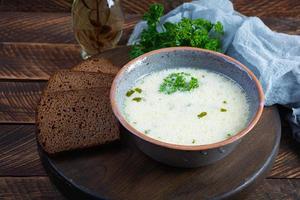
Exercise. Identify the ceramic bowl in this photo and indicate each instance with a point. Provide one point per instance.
(186, 155)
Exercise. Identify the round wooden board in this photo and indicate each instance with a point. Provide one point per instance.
(121, 171)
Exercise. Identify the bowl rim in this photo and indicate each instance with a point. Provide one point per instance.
(222, 143)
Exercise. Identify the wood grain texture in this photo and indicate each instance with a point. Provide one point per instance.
(274, 8)
(284, 25)
(47, 27)
(36, 188)
(36, 27)
(277, 189)
(36, 5)
(18, 101)
(129, 6)
(18, 152)
(270, 8)
(141, 6)
(287, 164)
(56, 27)
(35, 61)
(29, 188)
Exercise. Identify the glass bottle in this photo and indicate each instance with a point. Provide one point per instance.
(97, 25)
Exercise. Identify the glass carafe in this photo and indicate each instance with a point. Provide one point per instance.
(97, 25)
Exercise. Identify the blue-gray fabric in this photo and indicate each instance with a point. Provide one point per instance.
(273, 57)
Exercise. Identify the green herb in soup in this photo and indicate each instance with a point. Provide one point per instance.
(203, 114)
(193, 141)
(129, 93)
(225, 102)
(229, 135)
(132, 91)
(223, 110)
(178, 82)
(137, 99)
(138, 90)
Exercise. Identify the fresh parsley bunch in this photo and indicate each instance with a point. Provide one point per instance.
(195, 33)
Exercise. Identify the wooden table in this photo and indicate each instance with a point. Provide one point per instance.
(36, 39)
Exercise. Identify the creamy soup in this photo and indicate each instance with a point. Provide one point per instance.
(186, 106)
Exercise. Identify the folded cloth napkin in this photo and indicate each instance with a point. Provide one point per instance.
(273, 57)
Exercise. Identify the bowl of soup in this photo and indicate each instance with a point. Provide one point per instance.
(186, 107)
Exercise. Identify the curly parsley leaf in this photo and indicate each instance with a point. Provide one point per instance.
(153, 15)
(178, 82)
(199, 33)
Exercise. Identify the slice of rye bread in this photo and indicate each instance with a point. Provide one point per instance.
(75, 120)
(102, 65)
(65, 80)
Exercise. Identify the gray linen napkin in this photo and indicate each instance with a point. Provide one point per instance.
(273, 57)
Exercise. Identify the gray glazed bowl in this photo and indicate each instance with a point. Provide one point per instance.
(175, 57)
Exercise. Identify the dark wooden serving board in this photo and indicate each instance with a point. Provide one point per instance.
(121, 171)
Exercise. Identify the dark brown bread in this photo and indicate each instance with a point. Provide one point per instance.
(75, 120)
(65, 80)
(97, 65)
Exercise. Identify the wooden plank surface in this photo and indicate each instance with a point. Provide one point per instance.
(18, 101)
(129, 6)
(18, 151)
(41, 188)
(277, 189)
(38, 61)
(47, 27)
(30, 188)
(287, 164)
(56, 27)
(48, 52)
(35, 61)
(36, 5)
(284, 25)
(271, 8)
(27, 27)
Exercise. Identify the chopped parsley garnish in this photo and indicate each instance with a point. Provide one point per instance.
(229, 135)
(178, 82)
(137, 99)
(202, 115)
(223, 110)
(193, 141)
(199, 33)
(225, 102)
(138, 90)
(147, 131)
